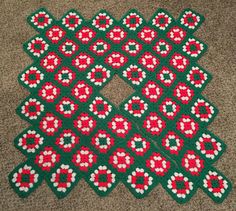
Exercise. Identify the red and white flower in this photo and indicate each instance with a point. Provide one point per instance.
(82, 91)
(149, 61)
(84, 158)
(158, 164)
(169, 108)
(102, 21)
(197, 77)
(102, 141)
(121, 160)
(85, 35)
(187, 126)
(193, 47)
(116, 60)
(100, 47)
(132, 21)
(183, 93)
(192, 163)
(161, 20)
(162, 48)
(138, 144)
(152, 91)
(65, 76)
(55, 34)
(147, 34)
(49, 92)
(100, 108)
(50, 62)
(203, 110)
(153, 124)
(82, 61)
(85, 124)
(30, 141)
(47, 159)
(190, 20)
(180, 185)
(32, 108)
(136, 106)
(117, 34)
(120, 125)
(99, 75)
(179, 62)
(103, 178)
(215, 184)
(176, 34)
(37, 46)
(63, 178)
(71, 21)
(41, 20)
(66, 107)
(172, 143)
(208, 146)
(132, 47)
(32, 77)
(134, 74)
(50, 124)
(68, 48)
(25, 178)
(67, 140)
(140, 180)
(166, 76)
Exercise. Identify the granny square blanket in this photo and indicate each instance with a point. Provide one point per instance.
(158, 135)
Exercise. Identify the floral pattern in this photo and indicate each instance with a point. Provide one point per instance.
(158, 134)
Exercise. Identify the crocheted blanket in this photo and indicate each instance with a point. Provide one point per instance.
(157, 135)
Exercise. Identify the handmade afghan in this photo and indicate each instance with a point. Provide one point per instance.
(157, 135)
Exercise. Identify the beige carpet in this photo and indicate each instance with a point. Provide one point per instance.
(218, 32)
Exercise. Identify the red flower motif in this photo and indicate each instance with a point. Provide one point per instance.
(166, 76)
(84, 158)
(179, 62)
(49, 92)
(100, 47)
(117, 34)
(169, 108)
(187, 126)
(116, 60)
(149, 61)
(192, 163)
(153, 124)
(55, 34)
(82, 91)
(85, 35)
(176, 34)
(82, 61)
(50, 62)
(183, 93)
(120, 126)
(158, 164)
(85, 124)
(47, 158)
(50, 124)
(147, 34)
(152, 91)
(121, 160)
